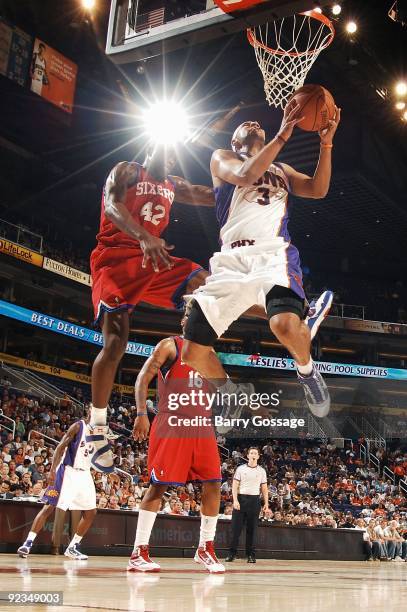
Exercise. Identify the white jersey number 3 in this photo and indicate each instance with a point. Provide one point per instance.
(152, 212)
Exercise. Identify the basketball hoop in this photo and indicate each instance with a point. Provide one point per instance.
(286, 49)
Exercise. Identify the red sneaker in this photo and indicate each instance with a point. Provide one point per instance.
(140, 561)
(207, 556)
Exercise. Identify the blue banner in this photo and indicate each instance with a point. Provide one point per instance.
(77, 332)
(66, 328)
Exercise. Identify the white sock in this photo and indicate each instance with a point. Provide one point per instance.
(145, 524)
(75, 540)
(208, 529)
(98, 416)
(31, 536)
(305, 370)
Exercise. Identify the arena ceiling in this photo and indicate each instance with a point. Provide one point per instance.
(364, 214)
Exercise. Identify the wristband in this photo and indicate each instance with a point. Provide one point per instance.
(326, 146)
(281, 138)
(142, 414)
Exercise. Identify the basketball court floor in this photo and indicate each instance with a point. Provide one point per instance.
(101, 583)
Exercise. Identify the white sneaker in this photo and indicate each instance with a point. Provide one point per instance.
(318, 310)
(140, 561)
(24, 550)
(316, 392)
(398, 558)
(207, 556)
(73, 552)
(102, 458)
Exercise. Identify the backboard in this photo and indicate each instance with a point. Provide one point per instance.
(140, 29)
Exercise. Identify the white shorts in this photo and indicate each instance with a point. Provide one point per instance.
(242, 277)
(78, 490)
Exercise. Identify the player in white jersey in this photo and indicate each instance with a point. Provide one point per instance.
(39, 76)
(257, 263)
(70, 487)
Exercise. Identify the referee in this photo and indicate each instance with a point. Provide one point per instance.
(249, 481)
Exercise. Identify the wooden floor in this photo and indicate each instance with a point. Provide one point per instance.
(101, 583)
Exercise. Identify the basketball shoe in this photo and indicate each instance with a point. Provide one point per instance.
(25, 549)
(73, 552)
(317, 311)
(206, 555)
(102, 458)
(316, 392)
(234, 400)
(140, 561)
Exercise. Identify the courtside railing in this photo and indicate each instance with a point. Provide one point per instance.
(11, 428)
(387, 473)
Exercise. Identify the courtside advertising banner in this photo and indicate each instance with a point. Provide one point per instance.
(66, 271)
(144, 350)
(44, 368)
(53, 76)
(19, 252)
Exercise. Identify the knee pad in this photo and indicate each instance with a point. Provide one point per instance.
(280, 300)
(197, 328)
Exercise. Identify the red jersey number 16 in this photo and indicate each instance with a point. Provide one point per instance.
(194, 379)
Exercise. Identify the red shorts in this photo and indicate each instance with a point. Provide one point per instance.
(119, 282)
(175, 461)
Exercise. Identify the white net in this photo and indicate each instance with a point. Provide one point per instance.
(285, 51)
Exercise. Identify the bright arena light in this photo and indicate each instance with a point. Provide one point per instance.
(317, 9)
(401, 88)
(351, 27)
(88, 4)
(336, 9)
(166, 123)
(400, 105)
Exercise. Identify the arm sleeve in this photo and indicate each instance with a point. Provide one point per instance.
(263, 477)
(237, 475)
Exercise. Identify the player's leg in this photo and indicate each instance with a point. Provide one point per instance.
(198, 353)
(236, 530)
(210, 503)
(140, 559)
(205, 468)
(84, 525)
(37, 526)
(285, 310)
(115, 329)
(252, 519)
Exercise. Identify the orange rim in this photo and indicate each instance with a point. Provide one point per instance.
(315, 15)
(243, 5)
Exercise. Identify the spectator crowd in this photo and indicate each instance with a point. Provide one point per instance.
(310, 484)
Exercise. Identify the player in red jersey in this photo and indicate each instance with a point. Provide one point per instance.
(179, 450)
(131, 263)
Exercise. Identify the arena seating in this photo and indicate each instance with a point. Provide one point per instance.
(310, 483)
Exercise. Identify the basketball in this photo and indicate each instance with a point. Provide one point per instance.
(317, 105)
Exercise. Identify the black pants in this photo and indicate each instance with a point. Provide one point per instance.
(249, 513)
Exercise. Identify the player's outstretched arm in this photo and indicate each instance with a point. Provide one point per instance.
(226, 166)
(60, 449)
(193, 195)
(164, 352)
(316, 186)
